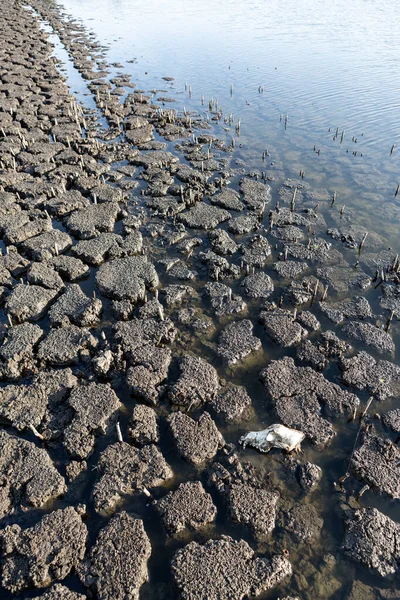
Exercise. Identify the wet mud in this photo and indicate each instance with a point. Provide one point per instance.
(159, 300)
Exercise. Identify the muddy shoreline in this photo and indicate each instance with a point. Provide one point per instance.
(158, 302)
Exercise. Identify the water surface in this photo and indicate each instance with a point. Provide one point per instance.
(326, 65)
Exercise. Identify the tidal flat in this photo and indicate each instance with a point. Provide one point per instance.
(162, 297)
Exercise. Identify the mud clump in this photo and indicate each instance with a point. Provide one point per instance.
(117, 564)
(63, 347)
(60, 592)
(127, 470)
(46, 552)
(204, 216)
(282, 328)
(308, 476)
(197, 383)
(370, 335)
(17, 352)
(236, 342)
(127, 278)
(253, 507)
(259, 285)
(76, 308)
(373, 540)
(94, 219)
(196, 441)
(95, 409)
(225, 568)
(380, 378)
(29, 477)
(143, 427)
(377, 463)
(29, 302)
(232, 404)
(188, 507)
(298, 393)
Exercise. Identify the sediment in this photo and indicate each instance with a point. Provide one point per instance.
(157, 298)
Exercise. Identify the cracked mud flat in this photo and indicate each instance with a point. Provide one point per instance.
(154, 290)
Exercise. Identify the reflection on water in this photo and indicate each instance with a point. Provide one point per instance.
(324, 64)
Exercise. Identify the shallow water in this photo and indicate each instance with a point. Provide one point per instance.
(327, 65)
(323, 70)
